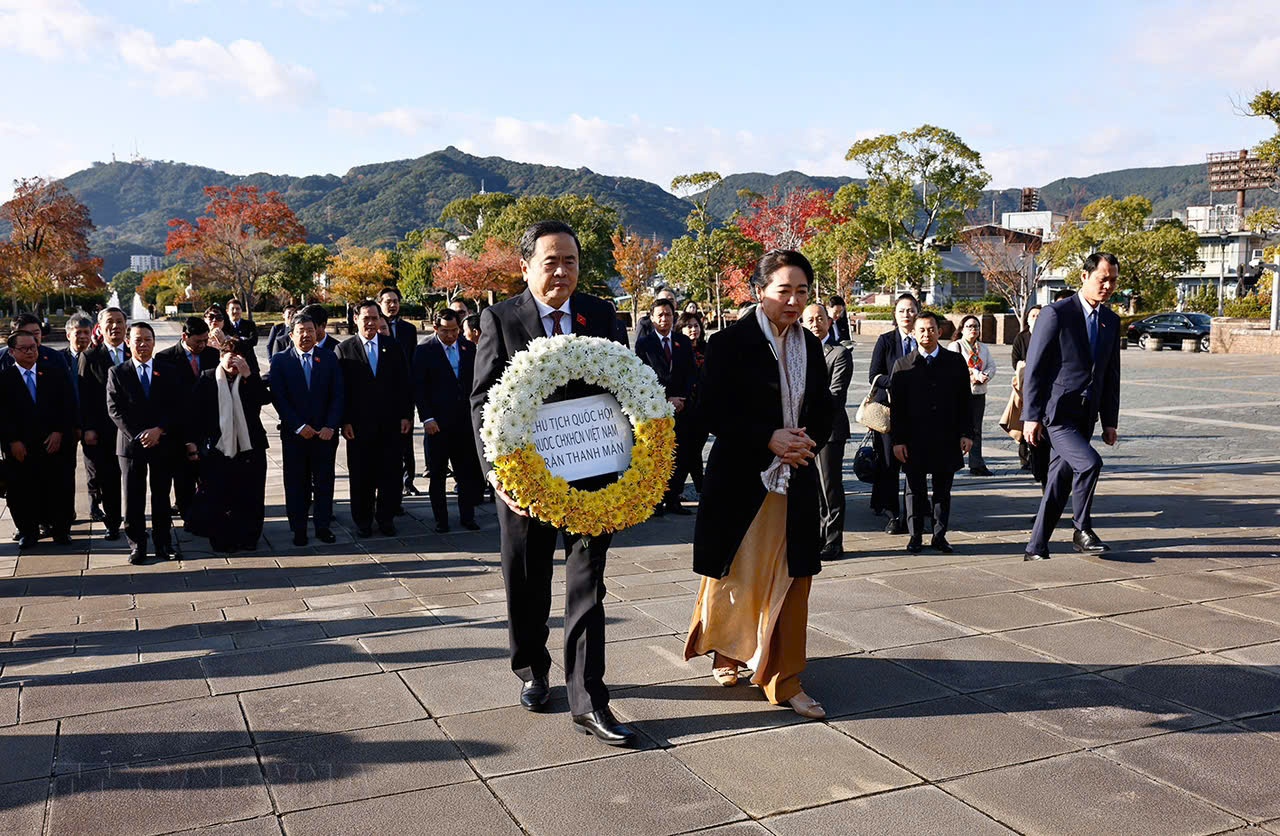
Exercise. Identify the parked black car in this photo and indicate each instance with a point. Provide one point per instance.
(1172, 328)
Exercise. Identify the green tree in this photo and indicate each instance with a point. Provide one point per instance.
(902, 264)
(296, 268)
(1149, 258)
(470, 214)
(1266, 105)
(694, 263)
(591, 220)
(919, 185)
(126, 283)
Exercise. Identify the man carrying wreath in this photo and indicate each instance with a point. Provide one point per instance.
(550, 256)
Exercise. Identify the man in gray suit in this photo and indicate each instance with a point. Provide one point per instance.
(831, 455)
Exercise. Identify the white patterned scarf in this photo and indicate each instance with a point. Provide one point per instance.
(793, 367)
(235, 431)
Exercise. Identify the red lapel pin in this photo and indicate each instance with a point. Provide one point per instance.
(581, 320)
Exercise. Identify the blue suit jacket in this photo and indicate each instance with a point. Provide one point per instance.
(1062, 384)
(321, 405)
(438, 392)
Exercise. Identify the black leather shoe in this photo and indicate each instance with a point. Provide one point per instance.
(1030, 556)
(364, 531)
(980, 471)
(26, 542)
(940, 543)
(471, 525)
(137, 557)
(300, 538)
(411, 490)
(62, 539)
(914, 545)
(605, 727)
(831, 554)
(442, 528)
(679, 511)
(535, 694)
(387, 530)
(1084, 540)
(164, 554)
(324, 535)
(895, 526)
(112, 534)
(95, 513)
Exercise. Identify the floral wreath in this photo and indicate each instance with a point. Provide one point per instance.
(512, 408)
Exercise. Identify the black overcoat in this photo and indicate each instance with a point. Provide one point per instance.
(741, 403)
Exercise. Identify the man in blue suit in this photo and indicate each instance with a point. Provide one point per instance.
(443, 373)
(307, 390)
(1073, 378)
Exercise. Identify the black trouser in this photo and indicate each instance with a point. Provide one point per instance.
(690, 439)
(308, 474)
(138, 474)
(884, 490)
(408, 461)
(918, 499)
(185, 473)
(102, 466)
(528, 552)
(831, 496)
(459, 449)
(41, 489)
(373, 469)
(233, 490)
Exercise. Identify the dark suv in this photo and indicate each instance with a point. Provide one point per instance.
(1172, 328)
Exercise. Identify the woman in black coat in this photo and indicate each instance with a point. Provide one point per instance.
(764, 396)
(231, 444)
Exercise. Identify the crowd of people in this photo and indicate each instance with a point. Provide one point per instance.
(771, 388)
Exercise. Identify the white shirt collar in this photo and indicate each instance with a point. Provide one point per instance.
(138, 364)
(933, 353)
(1084, 303)
(373, 339)
(306, 353)
(544, 313)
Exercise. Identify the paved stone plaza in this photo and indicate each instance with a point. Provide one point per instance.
(363, 687)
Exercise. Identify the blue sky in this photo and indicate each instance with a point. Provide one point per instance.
(647, 90)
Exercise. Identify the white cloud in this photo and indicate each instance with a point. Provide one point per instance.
(188, 67)
(408, 121)
(1229, 40)
(49, 29)
(58, 29)
(17, 129)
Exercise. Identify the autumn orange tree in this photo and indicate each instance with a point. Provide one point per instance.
(784, 222)
(495, 270)
(233, 242)
(48, 247)
(636, 260)
(359, 273)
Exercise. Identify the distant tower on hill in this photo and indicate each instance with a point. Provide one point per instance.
(1030, 200)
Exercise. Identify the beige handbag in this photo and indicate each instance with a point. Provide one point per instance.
(873, 415)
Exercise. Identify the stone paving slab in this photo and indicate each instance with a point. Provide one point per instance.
(355, 687)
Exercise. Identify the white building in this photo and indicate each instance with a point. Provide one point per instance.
(146, 263)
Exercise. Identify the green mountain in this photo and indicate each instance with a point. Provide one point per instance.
(131, 202)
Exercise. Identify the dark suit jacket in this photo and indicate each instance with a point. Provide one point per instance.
(320, 406)
(741, 403)
(176, 356)
(133, 411)
(406, 336)
(887, 352)
(205, 430)
(679, 377)
(839, 331)
(92, 373)
(277, 339)
(373, 403)
(839, 373)
(245, 331)
(53, 410)
(508, 327)
(440, 394)
(1062, 384)
(929, 409)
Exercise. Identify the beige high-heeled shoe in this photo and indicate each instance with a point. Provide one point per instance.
(807, 706)
(725, 674)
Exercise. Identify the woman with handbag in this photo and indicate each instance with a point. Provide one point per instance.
(982, 368)
(756, 540)
(229, 440)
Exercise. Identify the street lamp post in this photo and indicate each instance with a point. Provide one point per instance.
(1222, 264)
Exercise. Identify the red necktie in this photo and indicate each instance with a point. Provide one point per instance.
(195, 365)
(666, 347)
(555, 323)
